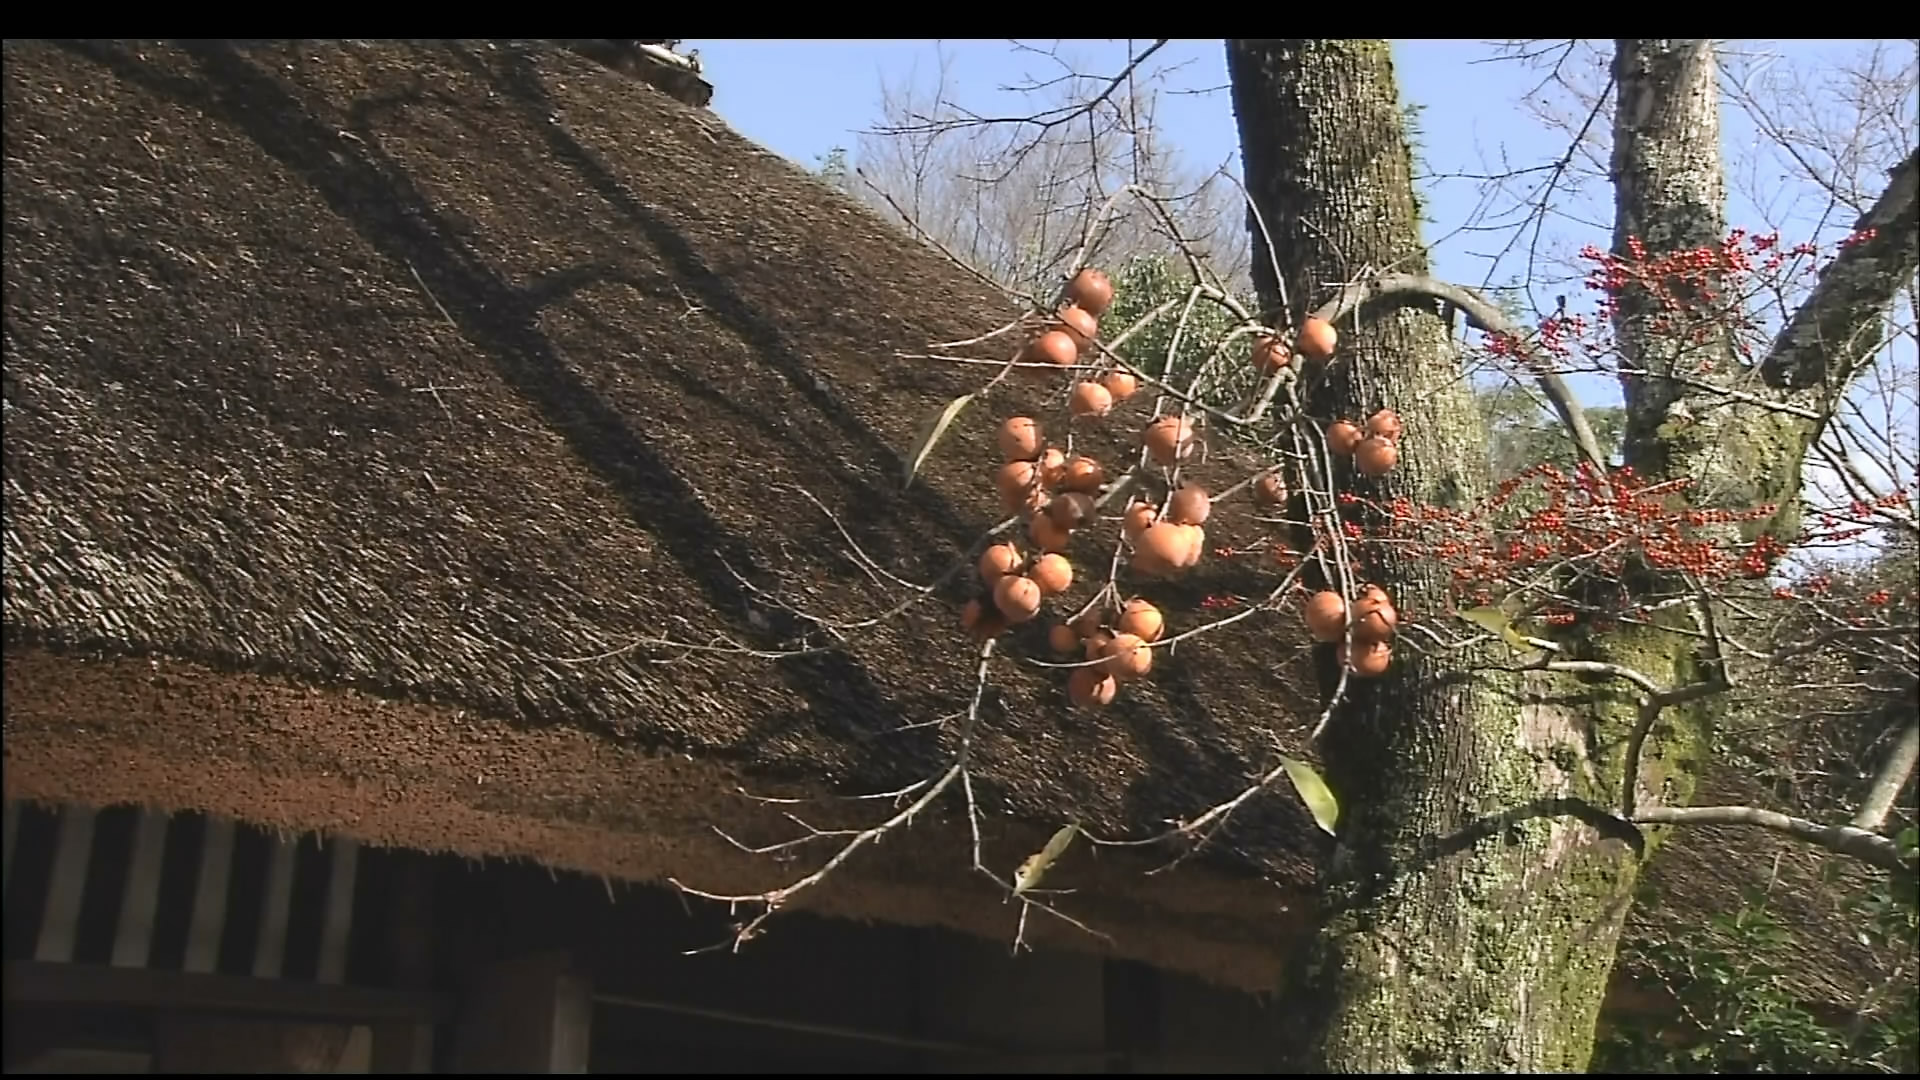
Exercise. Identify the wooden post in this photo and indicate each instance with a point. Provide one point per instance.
(210, 896)
(12, 833)
(133, 934)
(270, 948)
(528, 1014)
(407, 1046)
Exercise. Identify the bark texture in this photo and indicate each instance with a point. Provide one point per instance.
(1469, 921)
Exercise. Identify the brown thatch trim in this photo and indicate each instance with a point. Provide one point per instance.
(440, 779)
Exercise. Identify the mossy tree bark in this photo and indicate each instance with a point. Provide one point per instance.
(1446, 944)
(1471, 912)
(1494, 954)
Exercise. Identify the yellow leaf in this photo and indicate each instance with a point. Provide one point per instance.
(1035, 865)
(1314, 792)
(930, 436)
(1496, 621)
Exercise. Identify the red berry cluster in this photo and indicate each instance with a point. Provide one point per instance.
(1557, 336)
(1709, 286)
(1604, 522)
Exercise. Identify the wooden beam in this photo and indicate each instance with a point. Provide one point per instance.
(61, 920)
(337, 919)
(528, 1014)
(36, 983)
(199, 1043)
(71, 1060)
(12, 833)
(133, 933)
(400, 1047)
(270, 949)
(210, 896)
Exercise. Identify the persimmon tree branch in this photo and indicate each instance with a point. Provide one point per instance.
(772, 901)
(1837, 329)
(1482, 315)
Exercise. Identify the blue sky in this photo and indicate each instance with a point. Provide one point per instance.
(801, 98)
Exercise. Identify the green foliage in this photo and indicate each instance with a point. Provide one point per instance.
(1736, 1013)
(833, 168)
(1146, 282)
(1524, 431)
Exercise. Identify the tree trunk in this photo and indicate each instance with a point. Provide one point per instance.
(1467, 924)
(1670, 194)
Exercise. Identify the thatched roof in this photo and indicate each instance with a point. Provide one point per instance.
(355, 393)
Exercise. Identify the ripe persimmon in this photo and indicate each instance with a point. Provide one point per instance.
(1127, 657)
(1317, 339)
(1141, 619)
(1138, 517)
(1079, 324)
(1385, 423)
(1053, 573)
(1374, 616)
(1019, 439)
(1120, 384)
(1189, 505)
(1368, 659)
(1090, 688)
(1071, 509)
(1017, 597)
(997, 562)
(1343, 437)
(1062, 640)
(1269, 355)
(1326, 615)
(1090, 399)
(1053, 347)
(1083, 474)
(1092, 290)
(1376, 456)
(1169, 440)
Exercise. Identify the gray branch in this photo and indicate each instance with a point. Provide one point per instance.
(1869, 847)
(1836, 329)
(1482, 315)
(1891, 778)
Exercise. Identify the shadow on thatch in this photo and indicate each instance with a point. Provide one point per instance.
(376, 198)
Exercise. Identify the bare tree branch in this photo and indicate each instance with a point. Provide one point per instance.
(1482, 315)
(1837, 328)
(1045, 121)
(1868, 847)
(1891, 778)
